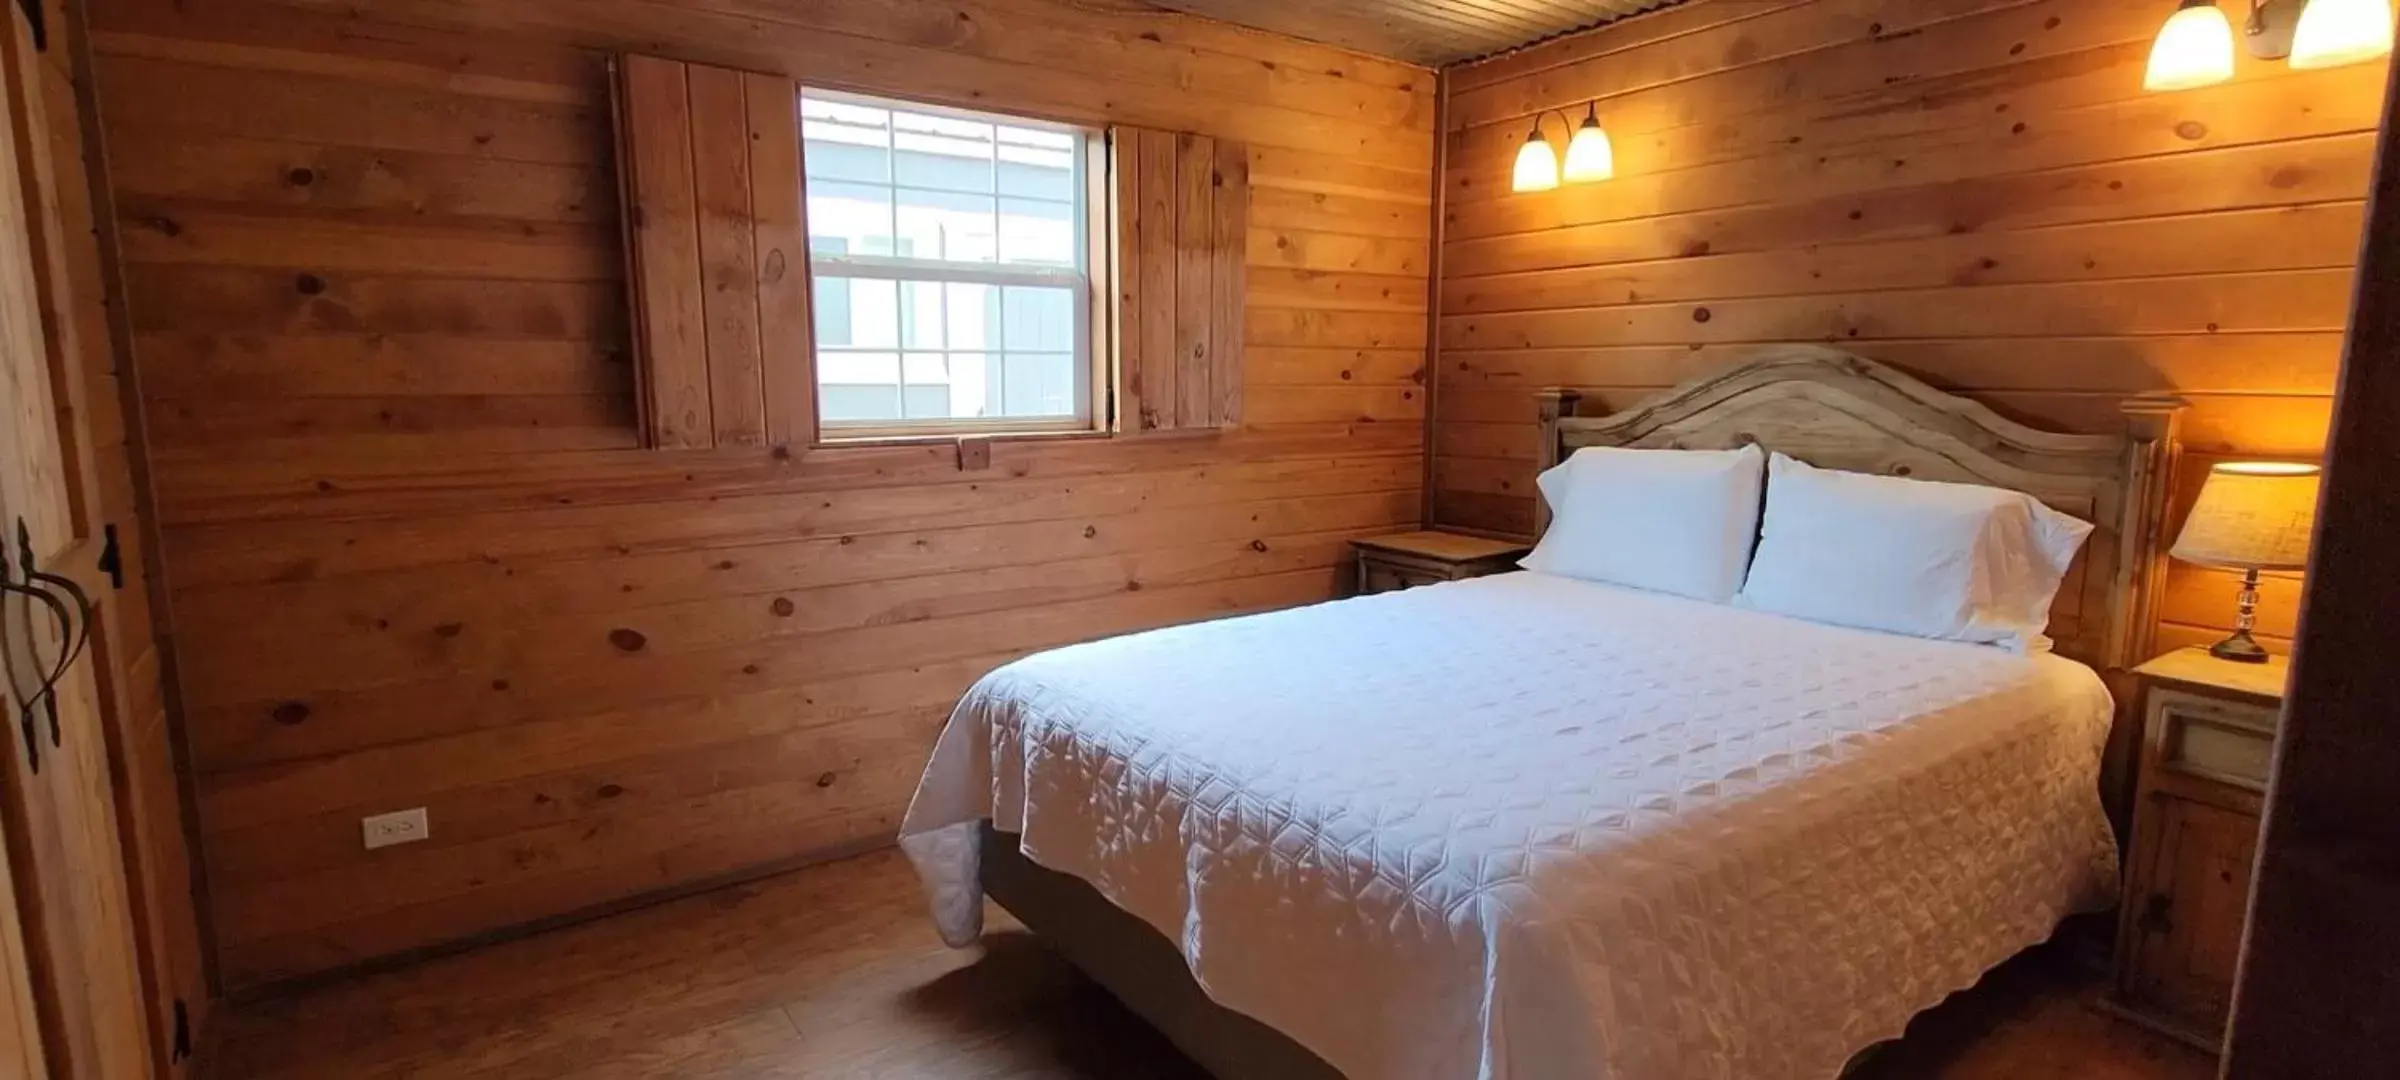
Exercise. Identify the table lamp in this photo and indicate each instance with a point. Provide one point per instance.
(2252, 516)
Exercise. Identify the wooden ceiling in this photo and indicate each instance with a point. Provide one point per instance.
(1429, 32)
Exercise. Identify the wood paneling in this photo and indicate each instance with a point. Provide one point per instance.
(1977, 191)
(1182, 206)
(417, 561)
(711, 251)
(657, 135)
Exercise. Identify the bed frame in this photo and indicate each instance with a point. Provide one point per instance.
(1829, 408)
(1836, 410)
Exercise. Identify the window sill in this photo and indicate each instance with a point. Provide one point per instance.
(941, 438)
(975, 450)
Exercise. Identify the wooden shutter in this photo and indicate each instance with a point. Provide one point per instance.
(710, 165)
(1182, 212)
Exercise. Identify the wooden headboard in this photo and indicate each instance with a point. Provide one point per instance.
(1839, 411)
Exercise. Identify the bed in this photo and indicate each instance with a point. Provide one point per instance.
(1595, 832)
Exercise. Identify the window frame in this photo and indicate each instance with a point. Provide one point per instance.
(1095, 352)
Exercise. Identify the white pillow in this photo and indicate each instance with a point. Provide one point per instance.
(1953, 561)
(1673, 521)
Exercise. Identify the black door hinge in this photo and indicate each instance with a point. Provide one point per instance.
(33, 19)
(182, 1047)
(112, 558)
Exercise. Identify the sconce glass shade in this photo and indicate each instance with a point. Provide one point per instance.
(2337, 32)
(2194, 49)
(1589, 155)
(1537, 165)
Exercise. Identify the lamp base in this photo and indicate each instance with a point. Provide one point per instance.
(2241, 648)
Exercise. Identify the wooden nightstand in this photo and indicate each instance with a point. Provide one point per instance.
(2208, 736)
(1386, 563)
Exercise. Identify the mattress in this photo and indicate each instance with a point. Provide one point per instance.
(1529, 827)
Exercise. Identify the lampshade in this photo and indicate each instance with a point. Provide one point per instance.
(2252, 515)
(1589, 155)
(1537, 165)
(2195, 48)
(2337, 32)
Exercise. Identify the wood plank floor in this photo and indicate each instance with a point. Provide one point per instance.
(834, 971)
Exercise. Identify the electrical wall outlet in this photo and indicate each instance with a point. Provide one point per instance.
(398, 827)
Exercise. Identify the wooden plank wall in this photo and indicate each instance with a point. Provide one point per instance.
(1975, 190)
(417, 560)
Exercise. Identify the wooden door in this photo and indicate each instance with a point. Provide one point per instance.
(20, 1023)
(2320, 971)
(57, 797)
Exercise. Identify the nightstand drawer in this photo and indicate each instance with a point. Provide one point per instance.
(1376, 575)
(2227, 742)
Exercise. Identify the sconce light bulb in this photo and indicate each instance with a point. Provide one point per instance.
(1537, 165)
(2336, 32)
(2194, 48)
(1589, 156)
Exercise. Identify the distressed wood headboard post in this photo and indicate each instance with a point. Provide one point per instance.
(2154, 421)
(1555, 403)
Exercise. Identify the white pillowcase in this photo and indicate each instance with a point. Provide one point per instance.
(1673, 521)
(1951, 561)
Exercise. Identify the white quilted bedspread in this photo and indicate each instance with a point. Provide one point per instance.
(1527, 827)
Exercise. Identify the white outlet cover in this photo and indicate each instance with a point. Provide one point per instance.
(398, 827)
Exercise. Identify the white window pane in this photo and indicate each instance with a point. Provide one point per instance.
(947, 226)
(974, 316)
(927, 402)
(889, 185)
(859, 216)
(1039, 320)
(841, 152)
(941, 152)
(1040, 164)
(921, 315)
(856, 386)
(832, 308)
(925, 386)
(945, 386)
(975, 385)
(861, 312)
(858, 367)
(845, 141)
(926, 368)
(1037, 232)
(1039, 384)
(854, 404)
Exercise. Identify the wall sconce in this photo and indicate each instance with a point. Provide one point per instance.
(2195, 47)
(1590, 158)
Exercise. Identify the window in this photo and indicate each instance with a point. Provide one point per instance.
(952, 259)
(957, 274)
